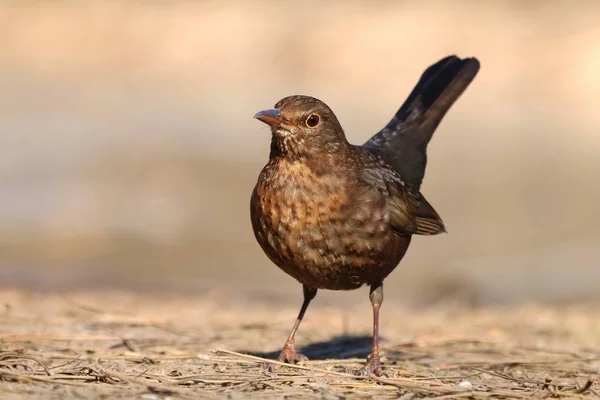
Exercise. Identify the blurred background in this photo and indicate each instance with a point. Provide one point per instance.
(128, 151)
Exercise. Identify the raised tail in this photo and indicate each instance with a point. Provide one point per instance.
(403, 142)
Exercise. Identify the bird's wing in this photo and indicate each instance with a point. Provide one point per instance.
(403, 142)
(409, 212)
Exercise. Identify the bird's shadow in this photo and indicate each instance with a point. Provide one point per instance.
(339, 347)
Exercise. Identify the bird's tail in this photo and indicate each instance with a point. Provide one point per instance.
(403, 142)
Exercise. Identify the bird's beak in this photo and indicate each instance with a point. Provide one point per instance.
(273, 117)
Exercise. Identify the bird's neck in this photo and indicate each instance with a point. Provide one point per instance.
(291, 148)
(321, 162)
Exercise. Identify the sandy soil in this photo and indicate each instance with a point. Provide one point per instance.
(122, 345)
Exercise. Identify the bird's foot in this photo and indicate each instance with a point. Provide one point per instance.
(290, 356)
(373, 366)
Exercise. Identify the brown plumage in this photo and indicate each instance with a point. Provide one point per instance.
(338, 216)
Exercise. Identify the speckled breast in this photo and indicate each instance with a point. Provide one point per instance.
(320, 232)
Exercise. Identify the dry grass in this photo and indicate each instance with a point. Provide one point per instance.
(108, 345)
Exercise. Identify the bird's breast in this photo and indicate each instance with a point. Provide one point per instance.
(294, 204)
(310, 226)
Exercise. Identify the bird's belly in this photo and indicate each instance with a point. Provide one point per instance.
(332, 254)
(321, 229)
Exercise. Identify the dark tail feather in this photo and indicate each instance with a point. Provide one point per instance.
(403, 142)
(442, 89)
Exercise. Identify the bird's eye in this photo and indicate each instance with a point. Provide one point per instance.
(313, 120)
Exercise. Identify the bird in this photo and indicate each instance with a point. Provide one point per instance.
(338, 216)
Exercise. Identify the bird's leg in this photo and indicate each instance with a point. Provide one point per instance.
(373, 364)
(288, 353)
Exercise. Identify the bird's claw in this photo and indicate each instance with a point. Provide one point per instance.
(373, 366)
(290, 356)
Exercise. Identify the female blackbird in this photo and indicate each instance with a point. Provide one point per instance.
(338, 216)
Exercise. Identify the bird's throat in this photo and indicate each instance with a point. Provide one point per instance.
(288, 146)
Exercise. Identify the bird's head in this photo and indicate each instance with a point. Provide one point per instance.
(303, 126)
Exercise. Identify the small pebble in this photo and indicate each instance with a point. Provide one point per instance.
(465, 385)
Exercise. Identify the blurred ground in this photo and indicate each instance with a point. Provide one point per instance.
(121, 345)
(129, 152)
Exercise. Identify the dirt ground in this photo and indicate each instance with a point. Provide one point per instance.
(122, 345)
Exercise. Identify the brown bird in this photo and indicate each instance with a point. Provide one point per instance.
(338, 216)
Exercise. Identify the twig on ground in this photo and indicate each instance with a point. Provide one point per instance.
(18, 356)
